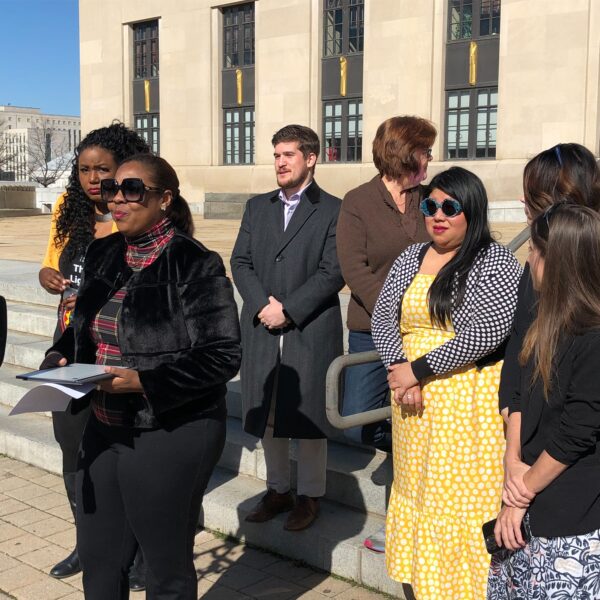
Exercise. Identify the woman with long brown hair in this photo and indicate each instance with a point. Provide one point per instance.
(565, 172)
(556, 420)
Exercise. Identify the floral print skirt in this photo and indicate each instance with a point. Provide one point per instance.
(560, 568)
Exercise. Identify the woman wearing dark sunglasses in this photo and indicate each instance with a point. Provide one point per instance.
(79, 217)
(559, 418)
(444, 311)
(156, 308)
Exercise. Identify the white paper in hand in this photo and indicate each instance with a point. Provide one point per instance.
(50, 397)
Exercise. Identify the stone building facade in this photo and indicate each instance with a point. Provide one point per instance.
(209, 83)
(34, 145)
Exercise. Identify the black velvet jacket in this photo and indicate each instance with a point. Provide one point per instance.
(178, 325)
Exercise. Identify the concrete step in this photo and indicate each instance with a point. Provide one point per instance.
(333, 544)
(19, 282)
(356, 477)
(31, 318)
(26, 350)
(11, 388)
(19, 212)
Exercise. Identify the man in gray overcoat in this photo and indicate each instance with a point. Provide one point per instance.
(285, 267)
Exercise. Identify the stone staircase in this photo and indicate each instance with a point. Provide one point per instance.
(358, 478)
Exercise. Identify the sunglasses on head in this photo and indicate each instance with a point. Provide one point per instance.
(131, 188)
(449, 207)
(547, 214)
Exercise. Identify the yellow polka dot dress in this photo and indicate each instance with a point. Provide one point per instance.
(447, 469)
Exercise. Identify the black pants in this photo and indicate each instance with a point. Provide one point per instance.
(68, 430)
(146, 485)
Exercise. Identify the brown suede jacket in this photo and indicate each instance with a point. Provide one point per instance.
(371, 234)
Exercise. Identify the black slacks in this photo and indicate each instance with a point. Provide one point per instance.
(146, 485)
(68, 430)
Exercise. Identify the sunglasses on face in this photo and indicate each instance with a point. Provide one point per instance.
(131, 188)
(449, 207)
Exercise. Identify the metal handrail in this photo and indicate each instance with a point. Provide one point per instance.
(518, 240)
(336, 368)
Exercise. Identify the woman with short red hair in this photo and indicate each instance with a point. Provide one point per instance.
(377, 222)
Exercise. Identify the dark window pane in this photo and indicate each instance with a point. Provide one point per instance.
(496, 25)
(343, 27)
(467, 21)
(356, 28)
(489, 21)
(238, 35)
(454, 18)
(145, 50)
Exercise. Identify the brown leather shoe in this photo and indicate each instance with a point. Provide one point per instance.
(303, 514)
(270, 505)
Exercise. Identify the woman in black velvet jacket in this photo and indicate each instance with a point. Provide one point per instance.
(156, 308)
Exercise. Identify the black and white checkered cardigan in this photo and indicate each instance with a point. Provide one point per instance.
(481, 322)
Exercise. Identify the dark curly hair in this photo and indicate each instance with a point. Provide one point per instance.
(75, 219)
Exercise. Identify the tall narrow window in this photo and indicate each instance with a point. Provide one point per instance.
(342, 77)
(237, 84)
(239, 135)
(148, 126)
(472, 54)
(145, 83)
(343, 27)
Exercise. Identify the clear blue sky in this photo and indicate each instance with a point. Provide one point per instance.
(39, 45)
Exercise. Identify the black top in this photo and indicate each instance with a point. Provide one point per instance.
(526, 311)
(71, 268)
(567, 426)
(3, 327)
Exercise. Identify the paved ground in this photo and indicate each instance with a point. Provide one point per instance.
(25, 238)
(36, 531)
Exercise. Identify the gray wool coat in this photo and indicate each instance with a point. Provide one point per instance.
(299, 267)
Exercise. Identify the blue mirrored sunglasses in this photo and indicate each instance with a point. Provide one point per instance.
(449, 207)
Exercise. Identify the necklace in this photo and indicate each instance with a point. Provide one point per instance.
(103, 218)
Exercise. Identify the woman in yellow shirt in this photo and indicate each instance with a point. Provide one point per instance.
(78, 217)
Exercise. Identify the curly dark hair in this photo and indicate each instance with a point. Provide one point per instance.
(75, 219)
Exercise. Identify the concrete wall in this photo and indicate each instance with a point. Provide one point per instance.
(17, 196)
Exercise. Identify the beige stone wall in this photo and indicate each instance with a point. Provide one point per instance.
(548, 59)
(548, 84)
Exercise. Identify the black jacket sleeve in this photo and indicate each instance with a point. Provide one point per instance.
(214, 355)
(509, 393)
(579, 427)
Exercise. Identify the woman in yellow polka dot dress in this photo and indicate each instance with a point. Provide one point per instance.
(440, 323)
